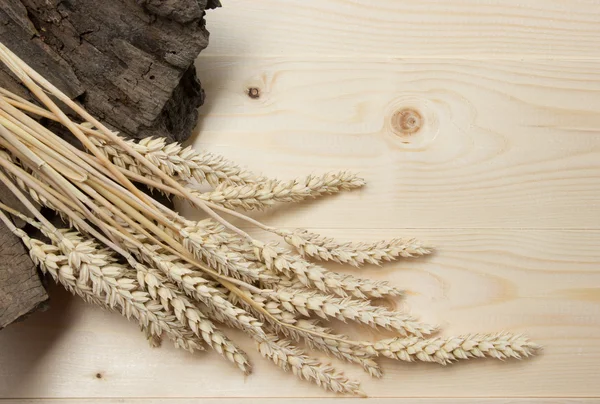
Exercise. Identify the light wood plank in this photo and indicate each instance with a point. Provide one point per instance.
(503, 143)
(466, 28)
(543, 283)
(278, 400)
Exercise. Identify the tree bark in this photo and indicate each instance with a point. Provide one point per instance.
(128, 62)
(21, 291)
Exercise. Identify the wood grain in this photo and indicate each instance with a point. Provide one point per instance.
(540, 282)
(308, 400)
(403, 28)
(502, 143)
(477, 127)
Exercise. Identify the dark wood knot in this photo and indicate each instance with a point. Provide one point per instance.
(407, 121)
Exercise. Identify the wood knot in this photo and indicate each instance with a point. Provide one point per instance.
(98, 375)
(253, 92)
(407, 121)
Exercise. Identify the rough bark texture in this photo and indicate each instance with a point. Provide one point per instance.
(128, 62)
(21, 291)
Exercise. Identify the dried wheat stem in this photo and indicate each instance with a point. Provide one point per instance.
(73, 193)
(446, 350)
(29, 77)
(288, 357)
(356, 254)
(43, 141)
(56, 201)
(54, 158)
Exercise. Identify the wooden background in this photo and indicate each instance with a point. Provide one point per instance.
(503, 176)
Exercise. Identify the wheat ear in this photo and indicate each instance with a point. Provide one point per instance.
(446, 350)
(357, 254)
(88, 257)
(262, 195)
(307, 302)
(312, 275)
(288, 357)
(184, 164)
(227, 247)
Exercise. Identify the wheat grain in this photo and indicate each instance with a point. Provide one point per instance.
(446, 350)
(153, 340)
(356, 254)
(32, 193)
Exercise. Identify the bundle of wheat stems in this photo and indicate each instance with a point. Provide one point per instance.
(185, 280)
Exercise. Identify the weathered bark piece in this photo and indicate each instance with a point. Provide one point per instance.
(21, 291)
(129, 62)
